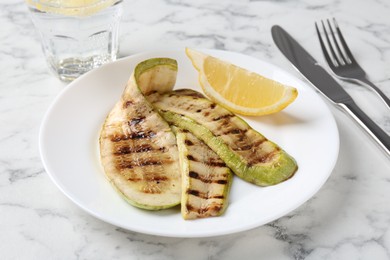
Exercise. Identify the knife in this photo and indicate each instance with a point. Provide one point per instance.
(326, 85)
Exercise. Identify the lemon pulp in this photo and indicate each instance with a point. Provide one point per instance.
(238, 89)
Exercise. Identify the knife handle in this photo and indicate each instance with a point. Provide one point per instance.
(380, 136)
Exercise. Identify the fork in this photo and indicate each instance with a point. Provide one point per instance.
(341, 60)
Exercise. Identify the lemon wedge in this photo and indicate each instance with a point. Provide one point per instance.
(239, 90)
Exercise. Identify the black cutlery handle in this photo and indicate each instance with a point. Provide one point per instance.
(380, 136)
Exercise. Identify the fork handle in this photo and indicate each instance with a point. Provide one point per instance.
(384, 98)
(380, 136)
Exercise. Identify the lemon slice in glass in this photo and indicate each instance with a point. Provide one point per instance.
(71, 7)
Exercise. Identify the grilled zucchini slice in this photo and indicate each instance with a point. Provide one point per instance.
(245, 151)
(138, 148)
(206, 180)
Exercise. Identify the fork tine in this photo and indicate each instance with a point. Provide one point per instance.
(343, 43)
(335, 57)
(324, 50)
(339, 51)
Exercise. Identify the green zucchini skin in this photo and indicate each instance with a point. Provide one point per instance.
(206, 180)
(245, 151)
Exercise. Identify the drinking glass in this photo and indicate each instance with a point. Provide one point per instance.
(77, 35)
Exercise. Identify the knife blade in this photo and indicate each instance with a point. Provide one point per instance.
(326, 84)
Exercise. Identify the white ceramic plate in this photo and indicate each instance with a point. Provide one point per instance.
(69, 149)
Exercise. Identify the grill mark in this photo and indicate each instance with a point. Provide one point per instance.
(134, 164)
(225, 123)
(190, 207)
(194, 192)
(202, 195)
(156, 178)
(188, 142)
(163, 149)
(272, 154)
(215, 208)
(249, 146)
(136, 121)
(191, 158)
(213, 105)
(134, 179)
(193, 174)
(241, 138)
(149, 162)
(243, 148)
(133, 135)
(137, 149)
(234, 131)
(238, 131)
(123, 150)
(223, 117)
(124, 165)
(142, 135)
(210, 161)
(264, 158)
(149, 178)
(210, 210)
(196, 176)
(118, 138)
(214, 163)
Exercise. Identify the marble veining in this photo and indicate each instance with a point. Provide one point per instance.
(349, 218)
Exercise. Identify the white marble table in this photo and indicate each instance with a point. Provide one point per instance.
(349, 218)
